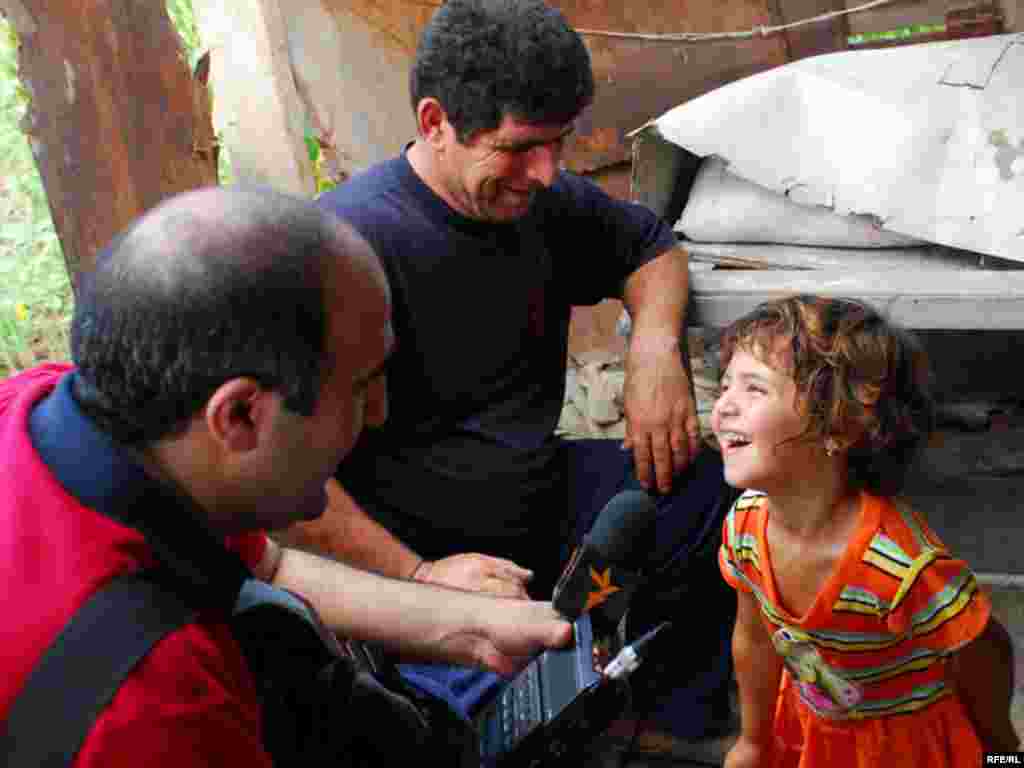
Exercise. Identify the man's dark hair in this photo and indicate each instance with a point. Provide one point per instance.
(199, 292)
(484, 59)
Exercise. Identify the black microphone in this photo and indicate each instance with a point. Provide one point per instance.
(605, 569)
(561, 701)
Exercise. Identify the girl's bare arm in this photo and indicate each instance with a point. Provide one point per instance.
(983, 673)
(758, 669)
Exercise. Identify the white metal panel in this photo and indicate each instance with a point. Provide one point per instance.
(981, 300)
(928, 139)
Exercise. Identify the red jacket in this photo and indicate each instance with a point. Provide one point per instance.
(192, 700)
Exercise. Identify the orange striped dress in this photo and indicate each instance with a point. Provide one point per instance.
(866, 680)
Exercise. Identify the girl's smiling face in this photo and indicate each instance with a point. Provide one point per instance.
(760, 430)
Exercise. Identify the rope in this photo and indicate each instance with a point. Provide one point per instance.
(761, 30)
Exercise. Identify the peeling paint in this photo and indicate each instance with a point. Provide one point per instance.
(1008, 159)
(793, 188)
(873, 219)
(110, 35)
(973, 71)
(69, 82)
(808, 194)
(23, 20)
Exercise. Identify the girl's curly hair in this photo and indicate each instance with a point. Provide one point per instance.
(857, 376)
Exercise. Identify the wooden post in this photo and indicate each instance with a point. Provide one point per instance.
(259, 112)
(1013, 15)
(117, 123)
(812, 39)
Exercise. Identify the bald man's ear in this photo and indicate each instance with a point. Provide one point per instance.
(431, 121)
(237, 413)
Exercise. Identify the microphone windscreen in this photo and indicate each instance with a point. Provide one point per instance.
(623, 531)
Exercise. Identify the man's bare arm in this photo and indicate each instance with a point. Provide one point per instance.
(420, 621)
(661, 418)
(346, 532)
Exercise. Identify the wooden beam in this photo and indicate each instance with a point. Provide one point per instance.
(812, 39)
(260, 111)
(1013, 15)
(772, 256)
(778, 18)
(918, 299)
(117, 123)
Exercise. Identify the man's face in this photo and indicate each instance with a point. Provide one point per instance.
(494, 176)
(353, 395)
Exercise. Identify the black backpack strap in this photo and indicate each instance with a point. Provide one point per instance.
(85, 665)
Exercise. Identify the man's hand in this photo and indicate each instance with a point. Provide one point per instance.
(662, 429)
(427, 623)
(477, 573)
(511, 633)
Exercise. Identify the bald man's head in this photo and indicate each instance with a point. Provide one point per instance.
(209, 285)
(253, 228)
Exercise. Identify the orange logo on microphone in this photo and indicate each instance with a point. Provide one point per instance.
(603, 588)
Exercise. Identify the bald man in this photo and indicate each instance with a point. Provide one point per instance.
(229, 348)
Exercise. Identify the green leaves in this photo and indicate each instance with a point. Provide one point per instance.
(35, 292)
(184, 20)
(318, 160)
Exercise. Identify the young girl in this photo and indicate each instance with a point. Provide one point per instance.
(860, 641)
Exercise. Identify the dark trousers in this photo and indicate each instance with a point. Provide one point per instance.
(683, 687)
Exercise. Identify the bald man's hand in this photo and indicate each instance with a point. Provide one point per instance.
(511, 632)
(477, 573)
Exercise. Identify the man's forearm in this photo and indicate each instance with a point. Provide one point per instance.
(357, 603)
(420, 621)
(656, 295)
(347, 533)
(662, 429)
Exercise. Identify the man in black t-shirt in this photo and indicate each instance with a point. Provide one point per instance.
(487, 245)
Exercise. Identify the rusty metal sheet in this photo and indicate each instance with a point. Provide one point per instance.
(396, 23)
(637, 79)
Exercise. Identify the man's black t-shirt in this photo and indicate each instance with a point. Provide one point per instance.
(467, 460)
